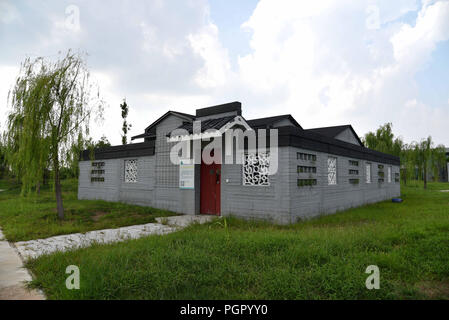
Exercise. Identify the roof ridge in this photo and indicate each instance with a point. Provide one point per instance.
(338, 126)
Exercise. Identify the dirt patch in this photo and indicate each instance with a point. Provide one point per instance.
(19, 292)
(98, 214)
(434, 289)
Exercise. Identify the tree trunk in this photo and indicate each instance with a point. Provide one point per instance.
(38, 187)
(425, 177)
(58, 191)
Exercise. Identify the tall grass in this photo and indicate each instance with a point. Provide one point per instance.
(324, 258)
(34, 216)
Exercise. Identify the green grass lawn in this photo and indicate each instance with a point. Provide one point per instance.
(35, 216)
(324, 258)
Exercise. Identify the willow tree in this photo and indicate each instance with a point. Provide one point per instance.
(51, 107)
(438, 161)
(383, 140)
(429, 159)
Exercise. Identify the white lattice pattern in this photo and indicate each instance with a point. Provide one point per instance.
(368, 173)
(131, 170)
(332, 170)
(256, 169)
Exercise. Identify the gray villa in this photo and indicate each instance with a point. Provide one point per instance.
(319, 171)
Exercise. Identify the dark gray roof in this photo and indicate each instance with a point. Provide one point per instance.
(218, 123)
(222, 108)
(334, 131)
(207, 124)
(306, 139)
(151, 129)
(121, 151)
(288, 136)
(266, 122)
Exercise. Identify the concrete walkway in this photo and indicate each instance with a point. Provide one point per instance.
(35, 248)
(13, 275)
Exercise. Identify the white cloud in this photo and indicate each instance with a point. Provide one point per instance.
(8, 13)
(206, 44)
(8, 76)
(413, 45)
(334, 70)
(316, 60)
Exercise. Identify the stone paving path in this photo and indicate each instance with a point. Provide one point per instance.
(35, 248)
(13, 275)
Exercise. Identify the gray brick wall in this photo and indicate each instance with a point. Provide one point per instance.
(260, 202)
(114, 188)
(167, 193)
(310, 201)
(282, 202)
(107, 190)
(347, 136)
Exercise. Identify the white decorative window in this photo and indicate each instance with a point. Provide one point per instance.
(332, 170)
(389, 175)
(131, 171)
(255, 169)
(368, 173)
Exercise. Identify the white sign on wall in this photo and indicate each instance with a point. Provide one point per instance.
(186, 174)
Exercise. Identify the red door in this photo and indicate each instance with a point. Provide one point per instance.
(210, 188)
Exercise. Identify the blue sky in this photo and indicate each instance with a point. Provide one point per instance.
(329, 62)
(433, 79)
(229, 16)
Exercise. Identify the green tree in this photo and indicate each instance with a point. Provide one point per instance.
(2, 160)
(51, 108)
(408, 162)
(418, 160)
(438, 161)
(102, 143)
(428, 159)
(424, 154)
(125, 127)
(383, 140)
(72, 170)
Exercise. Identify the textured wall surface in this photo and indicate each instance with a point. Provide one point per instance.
(309, 201)
(347, 136)
(157, 184)
(283, 201)
(114, 188)
(265, 202)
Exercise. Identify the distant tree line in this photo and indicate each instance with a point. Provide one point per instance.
(419, 160)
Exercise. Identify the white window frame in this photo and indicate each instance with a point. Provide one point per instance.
(389, 174)
(127, 177)
(332, 171)
(368, 177)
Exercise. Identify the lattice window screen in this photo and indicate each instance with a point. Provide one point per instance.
(131, 170)
(332, 170)
(255, 169)
(368, 173)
